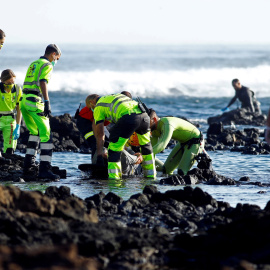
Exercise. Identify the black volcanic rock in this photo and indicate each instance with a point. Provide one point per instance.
(239, 117)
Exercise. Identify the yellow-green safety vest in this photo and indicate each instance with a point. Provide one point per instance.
(8, 101)
(40, 69)
(113, 107)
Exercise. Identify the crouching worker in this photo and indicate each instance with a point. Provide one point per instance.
(190, 142)
(127, 116)
(36, 113)
(9, 104)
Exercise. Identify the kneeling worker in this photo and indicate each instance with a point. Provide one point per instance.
(190, 142)
(127, 116)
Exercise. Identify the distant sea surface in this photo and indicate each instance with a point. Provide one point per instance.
(191, 81)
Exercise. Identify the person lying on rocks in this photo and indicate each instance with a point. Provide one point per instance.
(245, 96)
(9, 104)
(190, 143)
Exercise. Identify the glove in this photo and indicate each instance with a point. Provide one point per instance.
(225, 109)
(16, 132)
(47, 108)
(100, 160)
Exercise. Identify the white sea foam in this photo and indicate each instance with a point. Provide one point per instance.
(203, 82)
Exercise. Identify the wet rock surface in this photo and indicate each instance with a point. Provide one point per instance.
(239, 117)
(12, 170)
(203, 174)
(178, 229)
(248, 141)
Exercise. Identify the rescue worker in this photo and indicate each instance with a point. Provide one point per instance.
(2, 38)
(245, 96)
(128, 117)
(36, 113)
(9, 104)
(190, 142)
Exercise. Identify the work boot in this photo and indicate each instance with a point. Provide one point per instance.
(45, 171)
(30, 164)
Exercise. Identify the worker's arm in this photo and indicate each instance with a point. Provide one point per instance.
(232, 101)
(164, 138)
(100, 136)
(44, 89)
(19, 115)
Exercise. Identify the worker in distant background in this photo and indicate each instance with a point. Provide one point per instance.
(36, 113)
(190, 142)
(2, 38)
(246, 97)
(9, 104)
(128, 117)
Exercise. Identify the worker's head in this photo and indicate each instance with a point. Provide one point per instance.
(8, 78)
(2, 38)
(53, 53)
(126, 93)
(91, 101)
(153, 119)
(236, 84)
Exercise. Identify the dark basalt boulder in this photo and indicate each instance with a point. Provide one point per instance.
(239, 117)
(66, 136)
(204, 173)
(246, 141)
(178, 229)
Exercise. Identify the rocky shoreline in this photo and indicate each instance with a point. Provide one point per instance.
(178, 229)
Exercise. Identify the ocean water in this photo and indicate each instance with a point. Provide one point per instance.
(190, 81)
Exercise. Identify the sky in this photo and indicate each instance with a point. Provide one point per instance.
(136, 22)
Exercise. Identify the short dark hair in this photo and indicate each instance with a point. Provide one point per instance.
(51, 48)
(7, 74)
(234, 81)
(2, 34)
(126, 93)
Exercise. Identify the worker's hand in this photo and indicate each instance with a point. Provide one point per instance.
(105, 155)
(225, 109)
(139, 158)
(47, 108)
(16, 132)
(267, 135)
(100, 161)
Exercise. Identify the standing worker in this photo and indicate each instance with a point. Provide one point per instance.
(36, 113)
(190, 142)
(2, 38)
(128, 117)
(9, 103)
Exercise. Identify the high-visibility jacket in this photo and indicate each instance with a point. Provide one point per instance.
(8, 101)
(39, 70)
(113, 107)
(172, 128)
